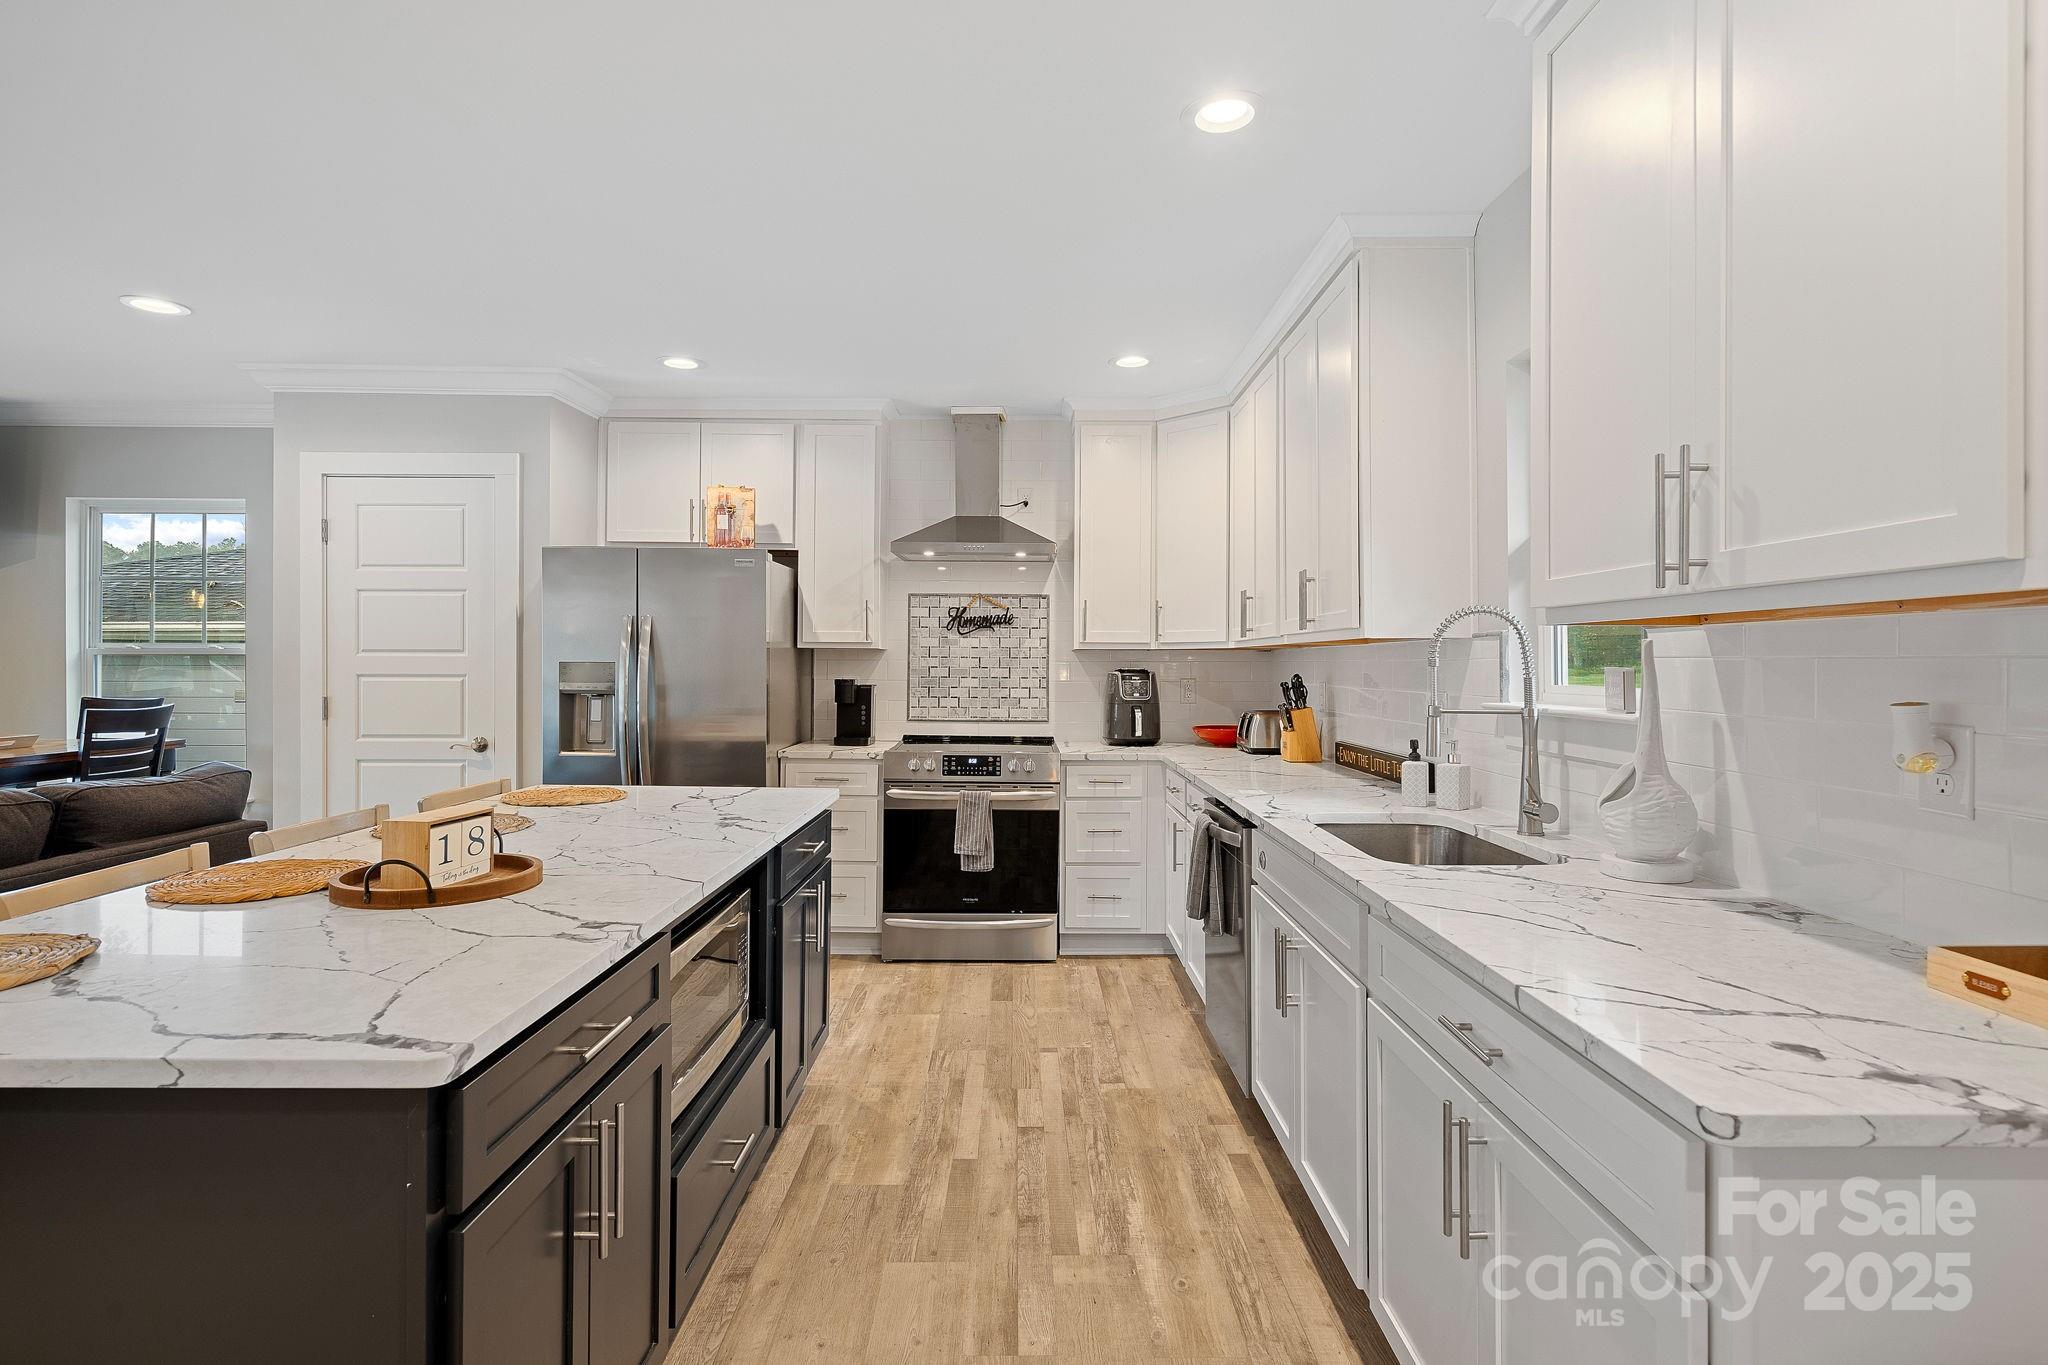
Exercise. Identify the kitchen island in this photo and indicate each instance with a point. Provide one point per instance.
(289, 1129)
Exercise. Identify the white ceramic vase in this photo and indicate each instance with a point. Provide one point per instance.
(1648, 818)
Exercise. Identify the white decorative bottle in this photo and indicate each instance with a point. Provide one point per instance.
(1647, 816)
(1453, 781)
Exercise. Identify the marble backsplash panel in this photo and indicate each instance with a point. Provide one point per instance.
(979, 657)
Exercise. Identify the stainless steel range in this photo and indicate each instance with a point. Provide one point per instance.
(931, 910)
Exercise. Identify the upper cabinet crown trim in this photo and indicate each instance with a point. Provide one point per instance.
(474, 380)
(1526, 15)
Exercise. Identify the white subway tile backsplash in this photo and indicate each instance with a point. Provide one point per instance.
(1780, 732)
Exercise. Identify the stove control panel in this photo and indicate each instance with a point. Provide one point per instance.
(971, 765)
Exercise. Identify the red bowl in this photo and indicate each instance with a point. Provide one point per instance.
(1222, 736)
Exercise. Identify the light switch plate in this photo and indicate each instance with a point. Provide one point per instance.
(1955, 791)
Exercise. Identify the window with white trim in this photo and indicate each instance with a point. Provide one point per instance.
(1581, 655)
(166, 588)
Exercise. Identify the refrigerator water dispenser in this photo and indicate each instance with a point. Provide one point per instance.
(588, 693)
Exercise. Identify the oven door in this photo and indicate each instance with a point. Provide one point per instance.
(709, 973)
(931, 910)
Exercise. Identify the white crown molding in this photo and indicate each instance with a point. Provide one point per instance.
(135, 414)
(468, 380)
(1526, 15)
(799, 409)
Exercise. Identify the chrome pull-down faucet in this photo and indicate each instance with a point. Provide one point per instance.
(1535, 812)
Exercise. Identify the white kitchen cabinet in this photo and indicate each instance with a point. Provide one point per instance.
(1103, 900)
(1113, 598)
(1191, 497)
(1419, 448)
(1255, 510)
(1276, 1037)
(1319, 538)
(1534, 1213)
(1779, 251)
(839, 564)
(1104, 831)
(651, 489)
(1427, 1297)
(760, 456)
(1308, 1068)
(853, 895)
(1173, 860)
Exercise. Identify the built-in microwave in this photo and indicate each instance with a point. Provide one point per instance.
(710, 973)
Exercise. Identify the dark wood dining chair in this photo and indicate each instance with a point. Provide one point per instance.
(86, 704)
(123, 742)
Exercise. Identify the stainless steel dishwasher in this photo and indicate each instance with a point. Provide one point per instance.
(1226, 964)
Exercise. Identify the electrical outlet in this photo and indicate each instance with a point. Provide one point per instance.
(1187, 690)
(1955, 791)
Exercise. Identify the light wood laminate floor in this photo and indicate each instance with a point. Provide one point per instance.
(1024, 1162)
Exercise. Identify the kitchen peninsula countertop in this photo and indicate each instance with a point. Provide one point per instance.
(302, 993)
(1746, 1019)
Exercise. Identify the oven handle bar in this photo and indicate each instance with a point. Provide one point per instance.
(925, 794)
(971, 922)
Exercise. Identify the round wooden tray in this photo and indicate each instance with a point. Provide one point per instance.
(399, 888)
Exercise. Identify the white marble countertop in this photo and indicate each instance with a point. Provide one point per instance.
(818, 748)
(303, 993)
(1749, 1021)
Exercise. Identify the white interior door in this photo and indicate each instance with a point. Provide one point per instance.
(421, 645)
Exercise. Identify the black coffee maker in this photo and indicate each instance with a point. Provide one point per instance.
(856, 723)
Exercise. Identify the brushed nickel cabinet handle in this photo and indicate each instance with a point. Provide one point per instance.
(1449, 1129)
(747, 1146)
(619, 1172)
(1463, 1033)
(586, 1053)
(808, 849)
(1094, 897)
(1244, 612)
(1657, 519)
(1686, 469)
(1467, 1234)
(604, 1189)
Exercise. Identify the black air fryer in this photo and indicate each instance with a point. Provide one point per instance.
(1133, 708)
(856, 724)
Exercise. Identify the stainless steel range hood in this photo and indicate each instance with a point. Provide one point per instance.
(977, 531)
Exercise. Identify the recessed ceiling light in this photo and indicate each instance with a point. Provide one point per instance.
(679, 362)
(942, 568)
(929, 553)
(146, 303)
(1225, 112)
(1022, 555)
(1131, 362)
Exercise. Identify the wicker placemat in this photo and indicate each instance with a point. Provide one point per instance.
(563, 796)
(264, 880)
(31, 957)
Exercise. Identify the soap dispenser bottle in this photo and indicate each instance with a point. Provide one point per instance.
(1415, 776)
(1453, 781)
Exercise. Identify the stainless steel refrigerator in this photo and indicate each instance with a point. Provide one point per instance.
(675, 666)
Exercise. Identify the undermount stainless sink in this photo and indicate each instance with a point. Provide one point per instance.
(1428, 846)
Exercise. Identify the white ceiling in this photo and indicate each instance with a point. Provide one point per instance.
(935, 201)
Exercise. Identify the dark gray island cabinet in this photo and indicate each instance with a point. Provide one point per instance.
(541, 1204)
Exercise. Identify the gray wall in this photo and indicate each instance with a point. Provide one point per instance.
(416, 424)
(40, 467)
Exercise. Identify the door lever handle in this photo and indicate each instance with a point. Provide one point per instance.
(476, 744)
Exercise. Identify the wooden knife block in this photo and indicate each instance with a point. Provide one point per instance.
(1304, 743)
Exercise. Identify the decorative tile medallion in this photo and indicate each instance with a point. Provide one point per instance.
(978, 656)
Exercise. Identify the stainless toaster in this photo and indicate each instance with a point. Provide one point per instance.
(1258, 732)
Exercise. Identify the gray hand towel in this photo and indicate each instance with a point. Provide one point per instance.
(1199, 847)
(974, 833)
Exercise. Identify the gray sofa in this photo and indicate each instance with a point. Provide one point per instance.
(68, 828)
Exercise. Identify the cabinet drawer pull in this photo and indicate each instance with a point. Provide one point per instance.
(612, 1031)
(1450, 1216)
(746, 1145)
(1094, 897)
(1113, 829)
(838, 895)
(619, 1173)
(1467, 1234)
(808, 849)
(1463, 1033)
